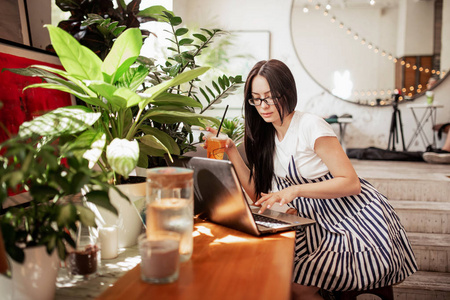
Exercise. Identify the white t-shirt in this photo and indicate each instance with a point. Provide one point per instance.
(303, 131)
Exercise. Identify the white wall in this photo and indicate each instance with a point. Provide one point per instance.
(417, 20)
(371, 124)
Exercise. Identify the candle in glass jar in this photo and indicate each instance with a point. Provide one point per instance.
(108, 237)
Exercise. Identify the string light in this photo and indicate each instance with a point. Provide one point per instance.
(383, 53)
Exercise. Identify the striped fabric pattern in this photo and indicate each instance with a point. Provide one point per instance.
(356, 243)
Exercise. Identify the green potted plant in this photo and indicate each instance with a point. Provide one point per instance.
(183, 54)
(49, 173)
(109, 88)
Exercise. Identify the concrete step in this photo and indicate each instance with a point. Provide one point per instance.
(424, 286)
(420, 286)
(426, 190)
(421, 216)
(432, 251)
(407, 180)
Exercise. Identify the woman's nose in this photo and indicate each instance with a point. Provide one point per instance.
(264, 104)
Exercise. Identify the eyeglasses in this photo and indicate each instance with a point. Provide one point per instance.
(258, 101)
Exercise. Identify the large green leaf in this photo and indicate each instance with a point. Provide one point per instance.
(123, 54)
(122, 155)
(133, 77)
(94, 142)
(120, 97)
(63, 120)
(63, 88)
(67, 214)
(70, 78)
(151, 146)
(162, 137)
(77, 60)
(169, 117)
(87, 217)
(100, 198)
(156, 90)
(156, 12)
(175, 99)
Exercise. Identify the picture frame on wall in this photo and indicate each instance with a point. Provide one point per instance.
(17, 105)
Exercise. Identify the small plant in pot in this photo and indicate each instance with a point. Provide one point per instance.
(50, 174)
(47, 175)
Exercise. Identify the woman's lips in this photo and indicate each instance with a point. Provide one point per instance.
(266, 115)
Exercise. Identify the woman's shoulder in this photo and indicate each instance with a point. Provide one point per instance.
(304, 118)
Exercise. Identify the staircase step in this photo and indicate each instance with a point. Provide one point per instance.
(421, 216)
(432, 251)
(424, 286)
(420, 286)
(414, 189)
(406, 180)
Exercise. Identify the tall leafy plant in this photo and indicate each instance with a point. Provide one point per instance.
(121, 137)
(182, 55)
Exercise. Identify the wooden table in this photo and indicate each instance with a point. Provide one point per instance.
(226, 264)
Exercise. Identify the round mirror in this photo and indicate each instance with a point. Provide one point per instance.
(364, 50)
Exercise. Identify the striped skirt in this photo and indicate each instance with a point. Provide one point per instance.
(356, 243)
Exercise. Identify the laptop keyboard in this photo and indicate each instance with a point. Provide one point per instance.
(268, 222)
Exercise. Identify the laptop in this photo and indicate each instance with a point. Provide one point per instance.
(219, 198)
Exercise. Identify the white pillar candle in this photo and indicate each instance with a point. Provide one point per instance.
(109, 238)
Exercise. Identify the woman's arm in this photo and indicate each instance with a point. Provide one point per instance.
(345, 181)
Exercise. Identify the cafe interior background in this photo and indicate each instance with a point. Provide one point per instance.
(343, 53)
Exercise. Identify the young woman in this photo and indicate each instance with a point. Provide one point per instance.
(294, 157)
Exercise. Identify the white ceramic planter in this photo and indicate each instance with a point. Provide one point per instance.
(35, 279)
(128, 221)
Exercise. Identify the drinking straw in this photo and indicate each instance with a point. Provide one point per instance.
(221, 122)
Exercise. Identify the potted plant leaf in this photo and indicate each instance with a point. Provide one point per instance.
(47, 173)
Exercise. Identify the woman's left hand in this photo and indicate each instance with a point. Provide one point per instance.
(268, 200)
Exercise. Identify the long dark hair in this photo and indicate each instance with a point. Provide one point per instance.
(259, 136)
